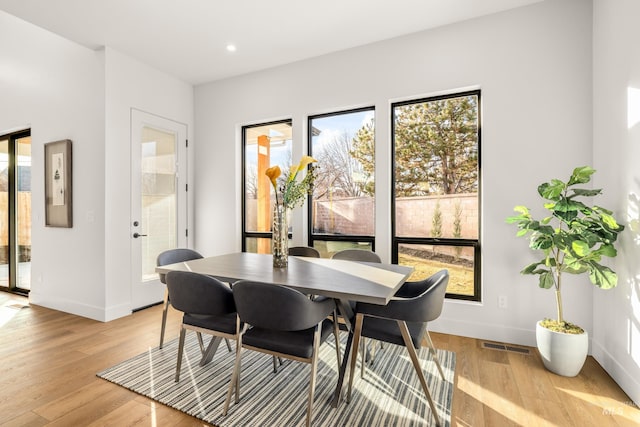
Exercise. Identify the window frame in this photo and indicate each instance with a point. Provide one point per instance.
(253, 234)
(396, 241)
(311, 236)
(12, 214)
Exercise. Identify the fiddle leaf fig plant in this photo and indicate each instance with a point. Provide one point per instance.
(573, 238)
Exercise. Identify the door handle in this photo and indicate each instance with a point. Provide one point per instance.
(136, 235)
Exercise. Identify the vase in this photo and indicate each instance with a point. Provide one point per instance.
(563, 354)
(280, 237)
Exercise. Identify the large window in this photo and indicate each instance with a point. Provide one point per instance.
(264, 145)
(15, 212)
(435, 218)
(342, 209)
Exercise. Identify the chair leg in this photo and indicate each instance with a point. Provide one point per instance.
(183, 332)
(363, 355)
(164, 317)
(200, 342)
(336, 334)
(312, 379)
(408, 343)
(211, 350)
(228, 345)
(235, 378)
(432, 350)
(354, 350)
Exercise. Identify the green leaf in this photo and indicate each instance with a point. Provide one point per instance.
(603, 277)
(540, 241)
(580, 248)
(585, 192)
(552, 190)
(581, 175)
(566, 205)
(608, 250)
(546, 280)
(521, 209)
(529, 269)
(609, 220)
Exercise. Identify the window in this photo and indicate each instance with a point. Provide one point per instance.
(341, 212)
(264, 145)
(15, 212)
(436, 173)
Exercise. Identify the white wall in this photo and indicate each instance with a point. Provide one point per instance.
(616, 64)
(533, 66)
(131, 84)
(63, 90)
(56, 88)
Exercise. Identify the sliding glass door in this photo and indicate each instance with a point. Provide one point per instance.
(15, 212)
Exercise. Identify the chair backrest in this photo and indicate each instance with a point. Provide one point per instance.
(195, 293)
(276, 307)
(427, 303)
(357, 255)
(419, 301)
(171, 256)
(304, 251)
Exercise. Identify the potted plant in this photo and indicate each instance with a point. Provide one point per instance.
(573, 239)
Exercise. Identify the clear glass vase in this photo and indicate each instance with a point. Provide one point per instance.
(280, 238)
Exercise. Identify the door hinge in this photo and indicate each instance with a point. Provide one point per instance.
(186, 143)
(186, 232)
(186, 187)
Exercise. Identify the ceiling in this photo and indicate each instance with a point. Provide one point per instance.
(188, 38)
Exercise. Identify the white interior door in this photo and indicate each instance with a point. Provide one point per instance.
(158, 199)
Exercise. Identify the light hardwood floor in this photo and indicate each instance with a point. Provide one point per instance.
(49, 361)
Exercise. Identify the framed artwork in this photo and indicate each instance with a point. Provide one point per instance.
(57, 184)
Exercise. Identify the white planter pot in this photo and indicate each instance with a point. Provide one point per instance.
(563, 354)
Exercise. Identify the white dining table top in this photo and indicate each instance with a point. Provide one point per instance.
(347, 280)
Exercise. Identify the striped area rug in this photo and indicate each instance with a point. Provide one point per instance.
(389, 395)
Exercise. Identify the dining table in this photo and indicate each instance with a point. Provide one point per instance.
(342, 280)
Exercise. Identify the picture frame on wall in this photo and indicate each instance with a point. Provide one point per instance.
(57, 182)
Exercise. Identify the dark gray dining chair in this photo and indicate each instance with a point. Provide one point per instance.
(172, 256)
(208, 307)
(357, 255)
(307, 251)
(403, 321)
(284, 323)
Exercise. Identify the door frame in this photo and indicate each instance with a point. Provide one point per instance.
(151, 292)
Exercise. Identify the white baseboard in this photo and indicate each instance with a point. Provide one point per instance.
(485, 331)
(628, 382)
(84, 310)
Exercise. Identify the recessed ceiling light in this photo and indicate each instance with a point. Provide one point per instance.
(231, 47)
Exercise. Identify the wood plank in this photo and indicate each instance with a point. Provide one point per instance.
(51, 358)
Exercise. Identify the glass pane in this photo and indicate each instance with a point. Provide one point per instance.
(159, 198)
(428, 259)
(448, 216)
(23, 212)
(265, 146)
(436, 168)
(259, 245)
(343, 196)
(4, 212)
(328, 248)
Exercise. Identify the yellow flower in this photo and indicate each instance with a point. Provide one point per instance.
(273, 173)
(304, 161)
(291, 191)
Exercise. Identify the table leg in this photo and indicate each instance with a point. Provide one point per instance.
(347, 313)
(343, 369)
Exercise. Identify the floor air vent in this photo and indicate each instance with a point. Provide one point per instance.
(505, 347)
